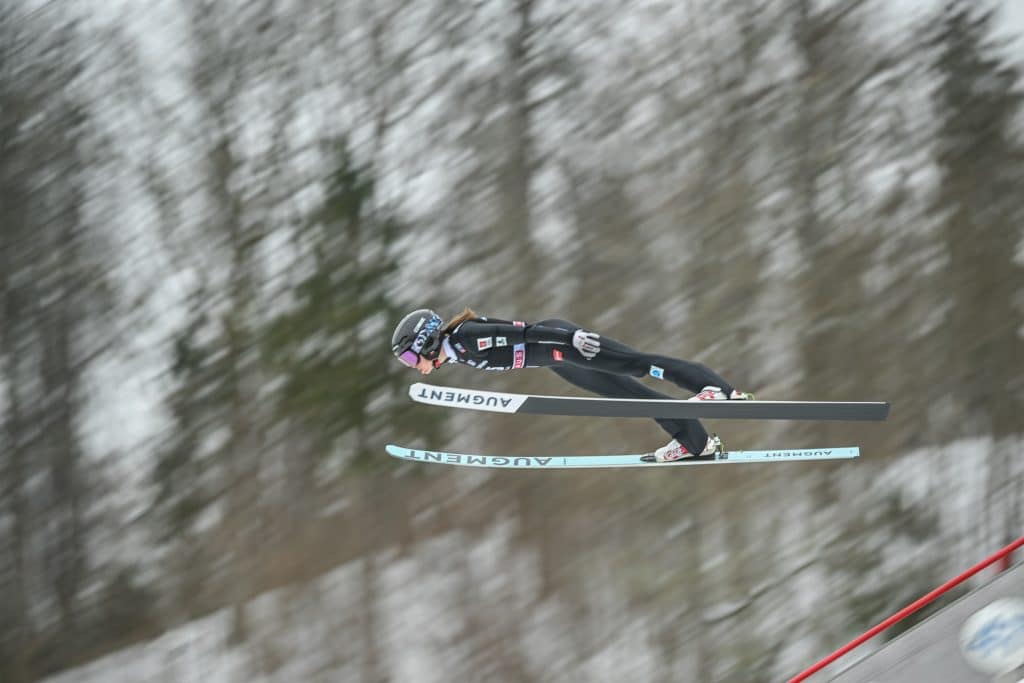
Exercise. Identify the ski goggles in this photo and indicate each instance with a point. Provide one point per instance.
(409, 358)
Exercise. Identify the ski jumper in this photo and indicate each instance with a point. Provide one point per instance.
(491, 344)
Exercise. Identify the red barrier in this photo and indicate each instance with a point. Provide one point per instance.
(909, 609)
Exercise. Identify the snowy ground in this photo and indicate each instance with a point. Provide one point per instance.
(314, 632)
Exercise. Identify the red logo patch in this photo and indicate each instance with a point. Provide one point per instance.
(556, 354)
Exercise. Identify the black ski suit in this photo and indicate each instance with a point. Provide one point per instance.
(490, 344)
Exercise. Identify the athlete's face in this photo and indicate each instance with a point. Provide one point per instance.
(427, 366)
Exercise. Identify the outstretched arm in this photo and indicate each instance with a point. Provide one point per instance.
(587, 343)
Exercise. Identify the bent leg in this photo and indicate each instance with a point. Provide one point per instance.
(617, 357)
(690, 433)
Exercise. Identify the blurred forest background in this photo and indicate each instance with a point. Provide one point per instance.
(213, 214)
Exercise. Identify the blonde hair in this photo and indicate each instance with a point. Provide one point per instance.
(467, 314)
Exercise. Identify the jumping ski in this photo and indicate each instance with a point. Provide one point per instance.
(524, 462)
(502, 402)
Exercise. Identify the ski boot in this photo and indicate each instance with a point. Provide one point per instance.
(674, 450)
(710, 393)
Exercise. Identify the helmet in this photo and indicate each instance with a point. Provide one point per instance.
(420, 333)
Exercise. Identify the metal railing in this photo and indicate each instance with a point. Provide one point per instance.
(1002, 557)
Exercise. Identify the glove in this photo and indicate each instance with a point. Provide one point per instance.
(587, 343)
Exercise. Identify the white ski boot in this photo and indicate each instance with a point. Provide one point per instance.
(710, 393)
(674, 450)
